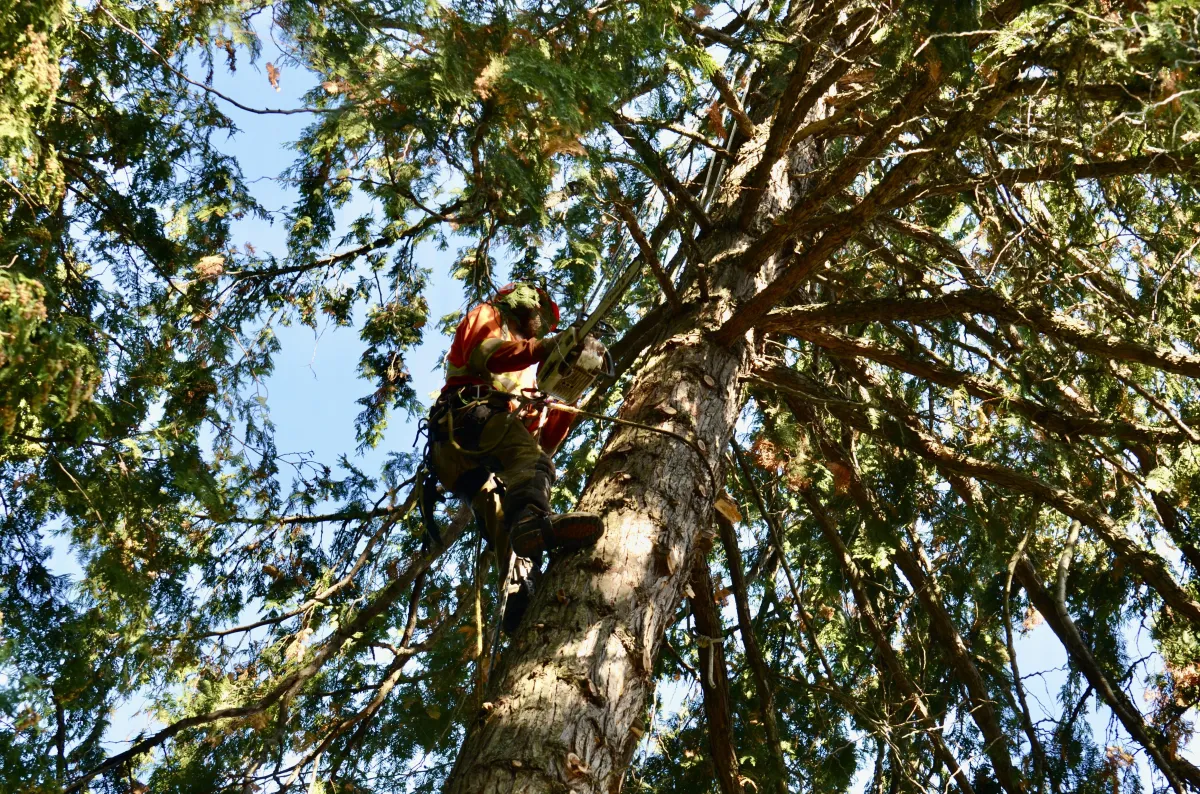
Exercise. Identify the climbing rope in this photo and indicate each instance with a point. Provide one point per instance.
(704, 641)
(543, 399)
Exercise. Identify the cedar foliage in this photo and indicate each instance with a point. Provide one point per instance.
(974, 405)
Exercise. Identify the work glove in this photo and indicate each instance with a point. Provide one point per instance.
(565, 339)
(592, 354)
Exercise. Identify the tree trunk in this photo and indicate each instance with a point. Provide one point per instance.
(574, 682)
(567, 702)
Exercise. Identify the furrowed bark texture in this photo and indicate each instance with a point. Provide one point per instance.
(568, 698)
(575, 680)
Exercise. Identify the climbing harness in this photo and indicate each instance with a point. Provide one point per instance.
(542, 400)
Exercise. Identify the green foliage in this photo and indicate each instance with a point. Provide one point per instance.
(46, 376)
(215, 568)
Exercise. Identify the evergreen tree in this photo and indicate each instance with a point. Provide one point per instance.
(910, 367)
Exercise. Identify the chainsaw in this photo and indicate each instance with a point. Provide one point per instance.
(573, 365)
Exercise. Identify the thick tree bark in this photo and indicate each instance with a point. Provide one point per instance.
(566, 705)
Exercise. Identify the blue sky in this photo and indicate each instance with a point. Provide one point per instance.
(313, 391)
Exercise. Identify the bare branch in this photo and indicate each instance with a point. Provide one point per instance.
(714, 679)
(663, 175)
(207, 88)
(648, 253)
(986, 302)
(729, 97)
(758, 664)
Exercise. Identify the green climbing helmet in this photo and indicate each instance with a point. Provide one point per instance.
(524, 296)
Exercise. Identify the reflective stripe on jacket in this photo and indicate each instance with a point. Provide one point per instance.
(486, 352)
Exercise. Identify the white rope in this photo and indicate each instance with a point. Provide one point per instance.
(703, 641)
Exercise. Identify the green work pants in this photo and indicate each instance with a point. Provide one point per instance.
(508, 450)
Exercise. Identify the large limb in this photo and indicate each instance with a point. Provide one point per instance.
(847, 223)
(1158, 164)
(1049, 418)
(991, 304)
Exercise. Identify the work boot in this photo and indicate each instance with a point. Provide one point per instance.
(534, 531)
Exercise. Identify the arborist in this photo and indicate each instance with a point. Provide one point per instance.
(493, 434)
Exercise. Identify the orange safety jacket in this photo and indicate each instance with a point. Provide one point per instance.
(486, 351)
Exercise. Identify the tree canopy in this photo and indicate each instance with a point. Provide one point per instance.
(952, 247)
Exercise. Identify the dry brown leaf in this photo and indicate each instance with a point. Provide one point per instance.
(841, 475)
(273, 75)
(210, 266)
(714, 118)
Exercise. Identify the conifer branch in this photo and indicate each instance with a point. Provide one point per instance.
(207, 88)
(887, 659)
(928, 592)
(647, 251)
(901, 429)
(290, 684)
(991, 304)
(990, 394)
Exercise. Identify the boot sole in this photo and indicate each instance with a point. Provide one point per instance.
(571, 531)
(576, 530)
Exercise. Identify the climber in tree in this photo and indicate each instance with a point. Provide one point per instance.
(495, 450)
